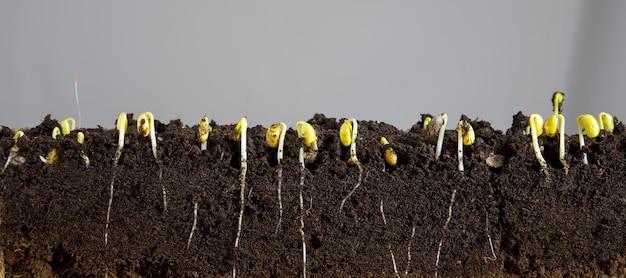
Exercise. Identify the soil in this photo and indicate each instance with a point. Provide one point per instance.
(53, 216)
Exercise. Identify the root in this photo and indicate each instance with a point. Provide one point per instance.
(163, 188)
(280, 200)
(118, 153)
(445, 228)
(493, 253)
(358, 183)
(393, 258)
(408, 253)
(301, 230)
(242, 202)
(195, 221)
(2, 270)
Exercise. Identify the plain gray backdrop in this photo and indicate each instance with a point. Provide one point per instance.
(286, 60)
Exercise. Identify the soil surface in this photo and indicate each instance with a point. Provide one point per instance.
(53, 216)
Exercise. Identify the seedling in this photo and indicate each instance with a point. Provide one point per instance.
(438, 126)
(553, 124)
(391, 158)
(307, 133)
(145, 126)
(240, 135)
(203, 132)
(309, 139)
(536, 129)
(80, 138)
(606, 121)
(67, 126)
(13, 150)
(426, 122)
(466, 137)
(122, 126)
(76, 94)
(591, 127)
(347, 135)
(557, 102)
(275, 138)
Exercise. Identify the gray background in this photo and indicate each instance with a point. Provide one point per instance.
(286, 60)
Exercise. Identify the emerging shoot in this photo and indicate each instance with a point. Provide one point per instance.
(347, 135)
(606, 121)
(240, 135)
(557, 102)
(80, 138)
(145, 126)
(307, 133)
(553, 124)
(536, 129)
(13, 150)
(438, 126)
(203, 132)
(76, 94)
(466, 137)
(427, 122)
(275, 138)
(390, 155)
(591, 126)
(67, 126)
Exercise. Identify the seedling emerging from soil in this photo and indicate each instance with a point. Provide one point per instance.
(240, 135)
(557, 102)
(67, 126)
(536, 129)
(466, 137)
(347, 135)
(145, 126)
(76, 94)
(426, 122)
(307, 133)
(80, 138)
(553, 124)
(606, 121)
(122, 126)
(438, 126)
(309, 140)
(390, 155)
(275, 138)
(591, 126)
(203, 132)
(13, 150)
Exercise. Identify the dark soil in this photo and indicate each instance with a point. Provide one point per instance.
(53, 216)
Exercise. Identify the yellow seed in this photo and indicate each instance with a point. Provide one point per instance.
(272, 137)
(537, 120)
(55, 132)
(557, 101)
(589, 124)
(67, 126)
(51, 157)
(345, 132)
(143, 124)
(241, 125)
(80, 137)
(203, 129)
(383, 141)
(306, 132)
(122, 122)
(426, 122)
(551, 126)
(606, 121)
(467, 131)
(434, 125)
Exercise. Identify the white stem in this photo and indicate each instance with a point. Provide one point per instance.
(77, 103)
(581, 140)
(281, 142)
(242, 195)
(203, 146)
(562, 143)
(153, 138)
(460, 148)
(533, 133)
(442, 131)
(301, 230)
(355, 128)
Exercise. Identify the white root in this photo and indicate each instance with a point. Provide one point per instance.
(242, 193)
(358, 183)
(493, 253)
(408, 253)
(280, 200)
(195, 221)
(302, 213)
(443, 233)
(393, 258)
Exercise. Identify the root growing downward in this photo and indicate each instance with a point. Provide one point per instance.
(393, 258)
(195, 221)
(280, 201)
(445, 228)
(358, 183)
(302, 213)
